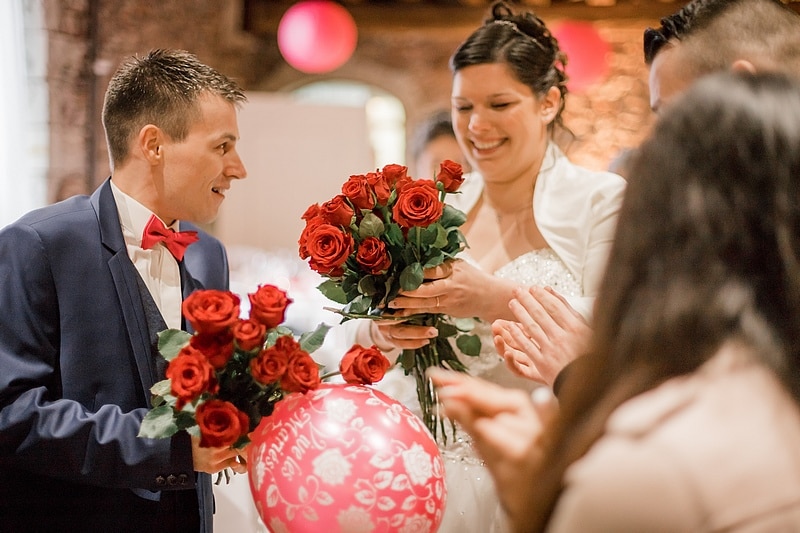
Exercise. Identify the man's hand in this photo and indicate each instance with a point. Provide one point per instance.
(213, 460)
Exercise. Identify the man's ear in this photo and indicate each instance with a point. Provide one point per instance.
(551, 103)
(149, 144)
(743, 65)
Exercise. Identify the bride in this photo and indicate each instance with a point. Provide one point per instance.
(533, 218)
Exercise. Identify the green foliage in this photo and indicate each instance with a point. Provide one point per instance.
(170, 342)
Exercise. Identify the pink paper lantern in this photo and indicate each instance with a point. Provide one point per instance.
(587, 53)
(345, 458)
(317, 36)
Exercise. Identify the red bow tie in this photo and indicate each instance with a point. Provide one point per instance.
(176, 241)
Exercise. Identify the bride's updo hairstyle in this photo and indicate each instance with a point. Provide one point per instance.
(521, 41)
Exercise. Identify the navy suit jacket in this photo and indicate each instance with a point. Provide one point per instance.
(76, 367)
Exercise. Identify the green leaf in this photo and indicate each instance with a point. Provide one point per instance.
(158, 423)
(406, 360)
(446, 330)
(411, 277)
(394, 235)
(441, 236)
(162, 388)
(452, 217)
(367, 286)
(185, 419)
(434, 259)
(469, 344)
(371, 226)
(332, 290)
(171, 341)
(310, 341)
(429, 234)
(359, 305)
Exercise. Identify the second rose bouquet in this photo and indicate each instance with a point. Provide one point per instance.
(228, 375)
(374, 240)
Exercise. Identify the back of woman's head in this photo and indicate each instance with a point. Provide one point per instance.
(706, 251)
(708, 240)
(521, 41)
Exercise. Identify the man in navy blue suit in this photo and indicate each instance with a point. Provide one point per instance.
(86, 284)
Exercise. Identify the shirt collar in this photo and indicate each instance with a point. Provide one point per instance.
(133, 216)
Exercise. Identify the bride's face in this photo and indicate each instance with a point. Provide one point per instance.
(500, 124)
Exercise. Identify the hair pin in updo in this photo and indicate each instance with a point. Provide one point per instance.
(514, 26)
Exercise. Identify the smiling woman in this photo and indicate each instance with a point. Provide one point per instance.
(533, 218)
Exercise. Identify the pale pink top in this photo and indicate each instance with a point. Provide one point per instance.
(718, 450)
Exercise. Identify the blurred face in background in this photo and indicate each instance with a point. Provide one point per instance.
(437, 150)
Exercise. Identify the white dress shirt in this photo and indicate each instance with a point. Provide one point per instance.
(158, 268)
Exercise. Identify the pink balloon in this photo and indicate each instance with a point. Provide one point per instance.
(345, 458)
(317, 36)
(587, 53)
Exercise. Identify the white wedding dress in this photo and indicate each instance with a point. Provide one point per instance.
(472, 504)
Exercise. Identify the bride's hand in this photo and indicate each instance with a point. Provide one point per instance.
(391, 334)
(458, 289)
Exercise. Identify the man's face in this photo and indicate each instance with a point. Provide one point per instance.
(668, 76)
(198, 170)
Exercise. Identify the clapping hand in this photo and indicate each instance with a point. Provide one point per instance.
(505, 425)
(548, 334)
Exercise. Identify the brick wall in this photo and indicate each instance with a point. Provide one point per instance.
(88, 38)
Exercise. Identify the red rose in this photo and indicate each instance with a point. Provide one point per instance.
(217, 347)
(418, 204)
(402, 182)
(287, 344)
(302, 373)
(191, 374)
(394, 173)
(328, 248)
(249, 334)
(268, 305)
(311, 212)
(450, 175)
(337, 211)
(269, 366)
(359, 192)
(302, 242)
(211, 311)
(372, 256)
(363, 366)
(380, 186)
(221, 424)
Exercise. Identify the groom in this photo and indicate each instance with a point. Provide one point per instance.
(86, 284)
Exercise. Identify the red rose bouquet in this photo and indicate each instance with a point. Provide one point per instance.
(374, 240)
(225, 377)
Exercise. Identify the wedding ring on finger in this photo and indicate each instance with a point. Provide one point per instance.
(437, 302)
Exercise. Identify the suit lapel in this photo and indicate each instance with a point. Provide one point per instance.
(124, 275)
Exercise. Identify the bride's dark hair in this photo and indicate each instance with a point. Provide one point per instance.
(707, 251)
(521, 41)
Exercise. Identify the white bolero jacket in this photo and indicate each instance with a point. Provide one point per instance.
(576, 211)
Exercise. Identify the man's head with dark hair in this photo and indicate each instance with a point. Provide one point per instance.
(707, 36)
(161, 88)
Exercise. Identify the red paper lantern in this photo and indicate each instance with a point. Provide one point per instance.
(317, 36)
(587, 53)
(345, 458)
